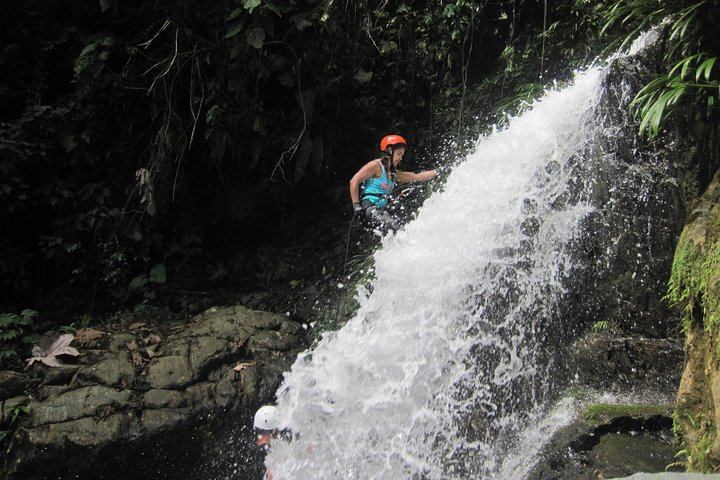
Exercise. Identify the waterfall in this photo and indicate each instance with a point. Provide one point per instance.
(457, 351)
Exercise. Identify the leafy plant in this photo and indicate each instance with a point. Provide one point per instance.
(156, 276)
(68, 328)
(691, 76)
(15, 413)
(691, 57)
(577, 393)
(16, 333)
(600, 326)
(678, 464)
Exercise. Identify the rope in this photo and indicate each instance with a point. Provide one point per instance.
(542, 53)
(347, 245)
(345, 261)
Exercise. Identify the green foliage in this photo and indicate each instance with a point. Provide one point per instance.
(16, 334)
(692, 75)
(698, 457)
(82, 322)
(577, 393)
(693, 286)
(139, 284)
(695, 457)
(15, 413)
(687, 281)
(600, 326)
(134, 136)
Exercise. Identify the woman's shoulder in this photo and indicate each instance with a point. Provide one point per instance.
(375, 166)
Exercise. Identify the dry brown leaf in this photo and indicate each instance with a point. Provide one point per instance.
(242, 366)
(86, 335)
(103, 411)
(136, 357)
(152, 339)
(136, 326)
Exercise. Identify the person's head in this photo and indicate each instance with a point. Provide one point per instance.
(394, 147)
(265, 424)
(266, 418)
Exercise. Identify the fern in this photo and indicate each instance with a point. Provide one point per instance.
(692, 77)
(15, 333)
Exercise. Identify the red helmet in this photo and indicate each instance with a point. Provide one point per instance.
(391, 141)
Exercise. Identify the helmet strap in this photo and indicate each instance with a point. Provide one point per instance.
(390, 166)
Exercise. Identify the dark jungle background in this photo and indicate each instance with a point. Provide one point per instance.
(154, 152)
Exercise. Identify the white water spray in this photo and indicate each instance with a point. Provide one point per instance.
(450, 357)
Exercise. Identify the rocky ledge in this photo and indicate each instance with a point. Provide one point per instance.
(611, 441)
(126, 387)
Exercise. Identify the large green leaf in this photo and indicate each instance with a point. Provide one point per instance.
(251, 5)
(256, 37)
(363, 76)
(235, 29)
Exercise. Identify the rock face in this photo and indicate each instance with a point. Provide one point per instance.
(639, 191)
(130, 387)
(613, 363)
(695, 288)
(642, 191)
(616, 441)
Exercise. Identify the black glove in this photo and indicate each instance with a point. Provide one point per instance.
(357, 208)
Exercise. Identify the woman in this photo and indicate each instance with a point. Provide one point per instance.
(374, 182)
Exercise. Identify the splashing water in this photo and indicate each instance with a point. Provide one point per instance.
(457, 349)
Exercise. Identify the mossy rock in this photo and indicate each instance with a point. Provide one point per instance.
(603, 412)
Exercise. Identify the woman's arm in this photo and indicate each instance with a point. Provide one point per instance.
(410, 177)
(370, 169)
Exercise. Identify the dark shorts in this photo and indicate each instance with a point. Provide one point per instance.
(378, 217)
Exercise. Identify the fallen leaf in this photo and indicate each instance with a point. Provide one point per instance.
(136, 357)
(87, 335)
(136, 326)
(103, 411)
(242, 366)
(152, 339)
(61, 346)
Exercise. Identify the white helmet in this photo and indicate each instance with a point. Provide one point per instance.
(266, 418)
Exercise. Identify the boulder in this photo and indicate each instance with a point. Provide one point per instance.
(134, 386)
(607, 441)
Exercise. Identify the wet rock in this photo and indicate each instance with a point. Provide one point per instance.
(161, 398)
(625, 250)
(619, 454)
(140, 385)
(13, 383)
(695, 288)
(611, 363)
(78, 403)
(671, 476)
(163, 419)
(83, 432)
(169, 372)
(607, 441)
(54, 376)
(111, 371)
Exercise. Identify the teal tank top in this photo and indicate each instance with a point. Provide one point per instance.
(376, 189)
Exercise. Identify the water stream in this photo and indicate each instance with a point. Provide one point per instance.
(452, 365)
